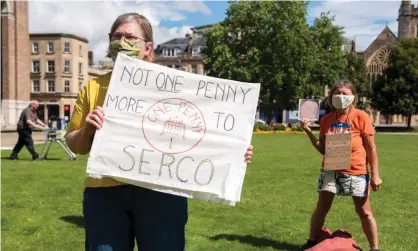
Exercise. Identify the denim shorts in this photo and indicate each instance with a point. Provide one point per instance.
(117, 216)
(343, 184)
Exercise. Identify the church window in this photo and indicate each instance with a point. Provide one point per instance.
(378, 63)
(383, 56)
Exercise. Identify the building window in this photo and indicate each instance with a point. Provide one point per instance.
(169, 52)
(67, 66)
(36, 66)
(50, 48)
(80, 85)
(51, 86)
(35, 47)
(36, 86)
(6, 7)
(51, 66)
(80, 69)
(67, 86)
(80, 51)
(195, 51)
(194, 69)
(67, 47)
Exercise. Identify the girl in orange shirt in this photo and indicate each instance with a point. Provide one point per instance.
(354, 181)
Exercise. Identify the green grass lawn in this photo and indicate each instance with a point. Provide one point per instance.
(41, 201)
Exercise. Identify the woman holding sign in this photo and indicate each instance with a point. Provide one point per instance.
(346, 141)
(115, 213)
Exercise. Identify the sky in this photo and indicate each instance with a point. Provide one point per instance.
(362, 20)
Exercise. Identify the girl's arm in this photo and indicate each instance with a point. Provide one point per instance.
(370, 147)
(318, 144)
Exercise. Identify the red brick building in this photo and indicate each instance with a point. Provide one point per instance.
(15, 62)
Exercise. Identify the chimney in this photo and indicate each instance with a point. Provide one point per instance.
(91, 58)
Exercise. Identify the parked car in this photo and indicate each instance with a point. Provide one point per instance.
(260, 121)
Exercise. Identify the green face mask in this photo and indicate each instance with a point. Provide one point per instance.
(125, 46)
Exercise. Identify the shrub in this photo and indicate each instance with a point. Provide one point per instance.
(269, 128)
(261, 126)
(297, 128)
(279, 127)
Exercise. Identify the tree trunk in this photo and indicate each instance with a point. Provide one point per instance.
(409, 121)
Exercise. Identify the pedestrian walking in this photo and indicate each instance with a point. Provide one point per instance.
(27, 122)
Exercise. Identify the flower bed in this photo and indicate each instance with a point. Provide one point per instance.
(278, 132)
(276, 128)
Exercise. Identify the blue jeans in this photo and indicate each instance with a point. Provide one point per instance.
(116, 216)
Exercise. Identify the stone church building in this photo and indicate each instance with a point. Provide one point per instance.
(377, 54)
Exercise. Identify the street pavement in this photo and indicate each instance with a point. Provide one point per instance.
(9, 139)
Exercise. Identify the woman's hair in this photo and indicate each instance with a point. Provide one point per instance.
(141, 21)
(343, 83)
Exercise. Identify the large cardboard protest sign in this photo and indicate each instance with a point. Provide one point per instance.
(337, 152)
(174, 131)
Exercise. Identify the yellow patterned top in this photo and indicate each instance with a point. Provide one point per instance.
(90, 96)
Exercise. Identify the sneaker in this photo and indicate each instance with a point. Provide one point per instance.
(13, 158)
(309, 244)
(36, 157)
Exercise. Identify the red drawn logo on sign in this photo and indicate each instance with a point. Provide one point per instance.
(173, 126)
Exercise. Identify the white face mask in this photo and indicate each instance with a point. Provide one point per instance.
(342, 101)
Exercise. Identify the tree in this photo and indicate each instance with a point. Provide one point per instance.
(330, 61)
(397, 91)
(267, 42)
(355, 72)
